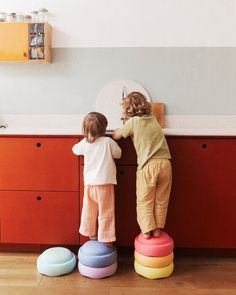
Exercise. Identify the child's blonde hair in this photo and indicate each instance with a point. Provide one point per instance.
(135, 104)
(94, 126)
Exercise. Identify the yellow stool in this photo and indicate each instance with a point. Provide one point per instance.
(154, 273)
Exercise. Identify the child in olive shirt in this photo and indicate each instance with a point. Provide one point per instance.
(154, 172)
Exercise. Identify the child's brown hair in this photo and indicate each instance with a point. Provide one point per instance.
(94, 126)
(135, 104)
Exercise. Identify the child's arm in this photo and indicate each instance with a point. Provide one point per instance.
(124, 131)
(116, 134)
(78, 148)
(116, 153)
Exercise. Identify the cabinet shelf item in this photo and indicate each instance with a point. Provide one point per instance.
(17, 40)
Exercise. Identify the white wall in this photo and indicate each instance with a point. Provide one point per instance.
(136, 23)
(190, 81)
(179, 50)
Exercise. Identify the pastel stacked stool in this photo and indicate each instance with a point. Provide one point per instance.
(96, 260)
(154, 257)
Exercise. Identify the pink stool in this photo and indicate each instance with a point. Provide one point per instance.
(154, 247)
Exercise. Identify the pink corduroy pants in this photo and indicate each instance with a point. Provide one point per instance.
(98, 212)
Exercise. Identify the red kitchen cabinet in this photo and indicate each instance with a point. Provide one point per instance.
(38, 164)
(39, 217)
(202, 205)
(39, 190)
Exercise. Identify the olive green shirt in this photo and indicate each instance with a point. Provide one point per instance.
(148, 138)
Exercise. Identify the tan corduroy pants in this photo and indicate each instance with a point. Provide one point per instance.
(153, 185)
(98, 212)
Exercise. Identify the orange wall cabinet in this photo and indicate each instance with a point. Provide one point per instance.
(203, 198)
(25, 42)
(39, 190)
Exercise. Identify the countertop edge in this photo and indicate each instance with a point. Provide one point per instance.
(71, 125)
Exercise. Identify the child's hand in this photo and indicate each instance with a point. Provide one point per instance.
(116, 134)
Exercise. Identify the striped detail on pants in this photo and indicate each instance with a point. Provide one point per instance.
(98, 212)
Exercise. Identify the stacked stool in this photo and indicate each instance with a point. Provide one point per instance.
(154, 256)
(96, 260)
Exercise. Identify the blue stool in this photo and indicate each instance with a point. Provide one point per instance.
(96, 260)
(56, 261)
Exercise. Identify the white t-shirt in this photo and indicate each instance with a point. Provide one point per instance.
(99, 164)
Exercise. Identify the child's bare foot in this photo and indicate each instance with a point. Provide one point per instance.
(147, 235)
(156, 233)
(108, 244)
(93, 237)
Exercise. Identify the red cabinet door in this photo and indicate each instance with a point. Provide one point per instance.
(202, 205)
(125, 195)
(39, 217)
(38, 164)
(128, 152)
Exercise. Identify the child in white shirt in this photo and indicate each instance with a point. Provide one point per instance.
(99, 151)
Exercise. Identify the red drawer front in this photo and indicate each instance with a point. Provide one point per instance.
(38, 164)
(39, 217)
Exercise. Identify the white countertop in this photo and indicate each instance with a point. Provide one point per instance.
(200, 125)
(41, 124)
(71, 125)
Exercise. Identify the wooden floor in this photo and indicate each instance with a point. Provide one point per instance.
(199, 275)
